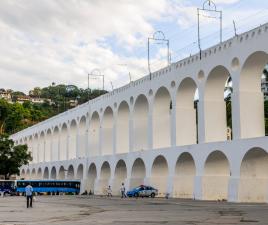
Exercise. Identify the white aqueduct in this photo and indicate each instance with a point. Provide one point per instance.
(147, 131)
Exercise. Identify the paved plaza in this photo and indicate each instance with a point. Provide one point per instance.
(101, 210)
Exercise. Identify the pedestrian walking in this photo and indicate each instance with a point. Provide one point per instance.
(29, 195)
(123, 191)
(109, 191)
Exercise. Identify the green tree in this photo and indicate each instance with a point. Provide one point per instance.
(12, 157)
(4, 109)
(16, 95)
(36, 92)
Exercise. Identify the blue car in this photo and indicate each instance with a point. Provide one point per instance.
(143, 191)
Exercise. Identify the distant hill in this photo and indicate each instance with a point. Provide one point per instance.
(19, 110)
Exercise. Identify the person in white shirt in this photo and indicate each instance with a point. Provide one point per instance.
(109, 191)
(123, 191)
(29, 195)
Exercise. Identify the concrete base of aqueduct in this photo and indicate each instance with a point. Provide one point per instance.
(235, 171)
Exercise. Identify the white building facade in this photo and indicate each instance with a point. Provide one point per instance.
(149, 132)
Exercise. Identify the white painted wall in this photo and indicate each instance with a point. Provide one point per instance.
(150, 129)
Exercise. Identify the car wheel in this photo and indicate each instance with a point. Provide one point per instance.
(136, 195)
(152, 195)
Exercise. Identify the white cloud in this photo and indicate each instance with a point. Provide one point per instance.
(46, 41)
(61, 41)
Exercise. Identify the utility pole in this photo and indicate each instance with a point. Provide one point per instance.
(95, 74)
(235, 31)
(160, 39)
(209, 7)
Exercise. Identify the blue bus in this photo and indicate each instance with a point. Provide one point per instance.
(8, 187)
(49, 186)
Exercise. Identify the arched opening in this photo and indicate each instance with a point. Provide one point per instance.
(185, 171)
(251, 97)
(91, 177)
(105, 175)
(35, 149)
(140, 123)
(216, 177)
(22, 175)
(160, 175)
(70, 172)
(46, 173)
(33, 174)
(39, 173)
(82, 138)
(107, 132)
(253, 176)
(72, 140)
(186, 113)
(122, 135)
(138, 173)
(55, 144)
(80, 171)
(48, 145)
(63, 142)
(161, 118)
(30, 146)
(61, 173)
(94, 133)
(120, 175)
(41, 149)
(53, 174)
(28, 174)
(215, 105)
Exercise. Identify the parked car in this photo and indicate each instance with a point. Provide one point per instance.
(143, 191)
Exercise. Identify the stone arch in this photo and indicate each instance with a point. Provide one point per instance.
(80, 172)
(46, 173)
(72, 140)
(138, 173)
(91, 177)
(63, 142)
(61, 175)
(41, 150)
(252, 115)
(82, 137)
(22, 173)
(55, 144)
(140, 123)
(48, 145)
(35, 148)
(161, 118)
(107, 131)
(185, 172)
(39, 173)
(215, 106)
(30, 146)
(105, 175)
(53, 173)
(70, 172)
(94, 134)
(33, 173)
(120, 175)
(122, 134)
(159, 175)
(28, 174)
(186, 112)
(216, 176)
(253, 176)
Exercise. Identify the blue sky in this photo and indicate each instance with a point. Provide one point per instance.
(61, 41)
